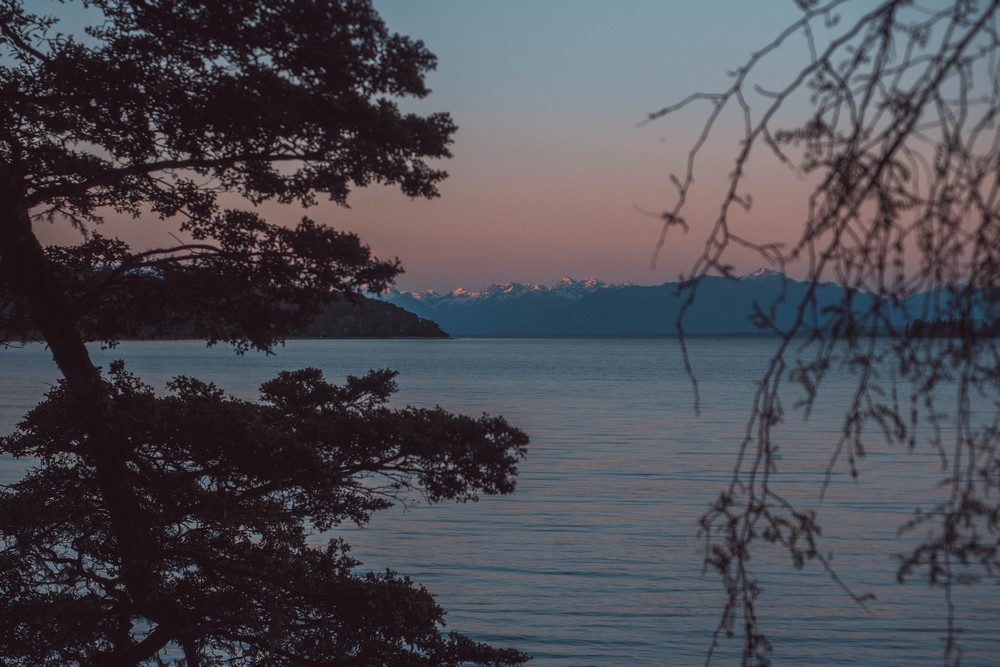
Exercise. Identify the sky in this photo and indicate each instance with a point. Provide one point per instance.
(552, 175)
(550, 172)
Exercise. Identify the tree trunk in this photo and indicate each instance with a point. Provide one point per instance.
(26, 272)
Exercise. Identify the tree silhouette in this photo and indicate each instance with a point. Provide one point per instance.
(150, 522)
(900, 142)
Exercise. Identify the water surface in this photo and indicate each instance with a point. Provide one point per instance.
(596, 559)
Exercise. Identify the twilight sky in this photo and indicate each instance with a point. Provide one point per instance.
(549, 164)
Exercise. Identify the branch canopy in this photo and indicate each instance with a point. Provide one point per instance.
(149, 100)
(230, 490)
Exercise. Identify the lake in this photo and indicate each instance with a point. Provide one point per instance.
(596, 559)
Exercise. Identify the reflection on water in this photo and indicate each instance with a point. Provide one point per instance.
(596, 559)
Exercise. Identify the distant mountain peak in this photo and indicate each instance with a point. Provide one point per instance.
(591, 308)
(566, 288)
(763, 273)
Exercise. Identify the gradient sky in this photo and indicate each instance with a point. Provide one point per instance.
(549, 164)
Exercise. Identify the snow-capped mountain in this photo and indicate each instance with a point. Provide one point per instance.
(566, 288)
(760, 299)
(585, 307)
(763, 274)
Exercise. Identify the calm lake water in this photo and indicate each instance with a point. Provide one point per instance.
(596, 559)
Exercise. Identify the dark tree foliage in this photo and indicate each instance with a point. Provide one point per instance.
(156, 523)
(231, 489)
(254, 285)
(898, 106)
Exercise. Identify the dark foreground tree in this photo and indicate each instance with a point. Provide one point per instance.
(229, 490)
(152, 522)
(902, 146)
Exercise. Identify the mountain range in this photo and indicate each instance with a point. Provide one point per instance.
(594, 308)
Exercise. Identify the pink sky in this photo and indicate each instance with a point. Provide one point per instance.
(549, 164)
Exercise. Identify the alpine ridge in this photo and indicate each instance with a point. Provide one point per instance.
(758, 301)
(565, 288)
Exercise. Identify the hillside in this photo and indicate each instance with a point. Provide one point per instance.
(369, 319)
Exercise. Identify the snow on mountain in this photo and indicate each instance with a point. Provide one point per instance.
(763, 274)
(762, 300)
(566, 288)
